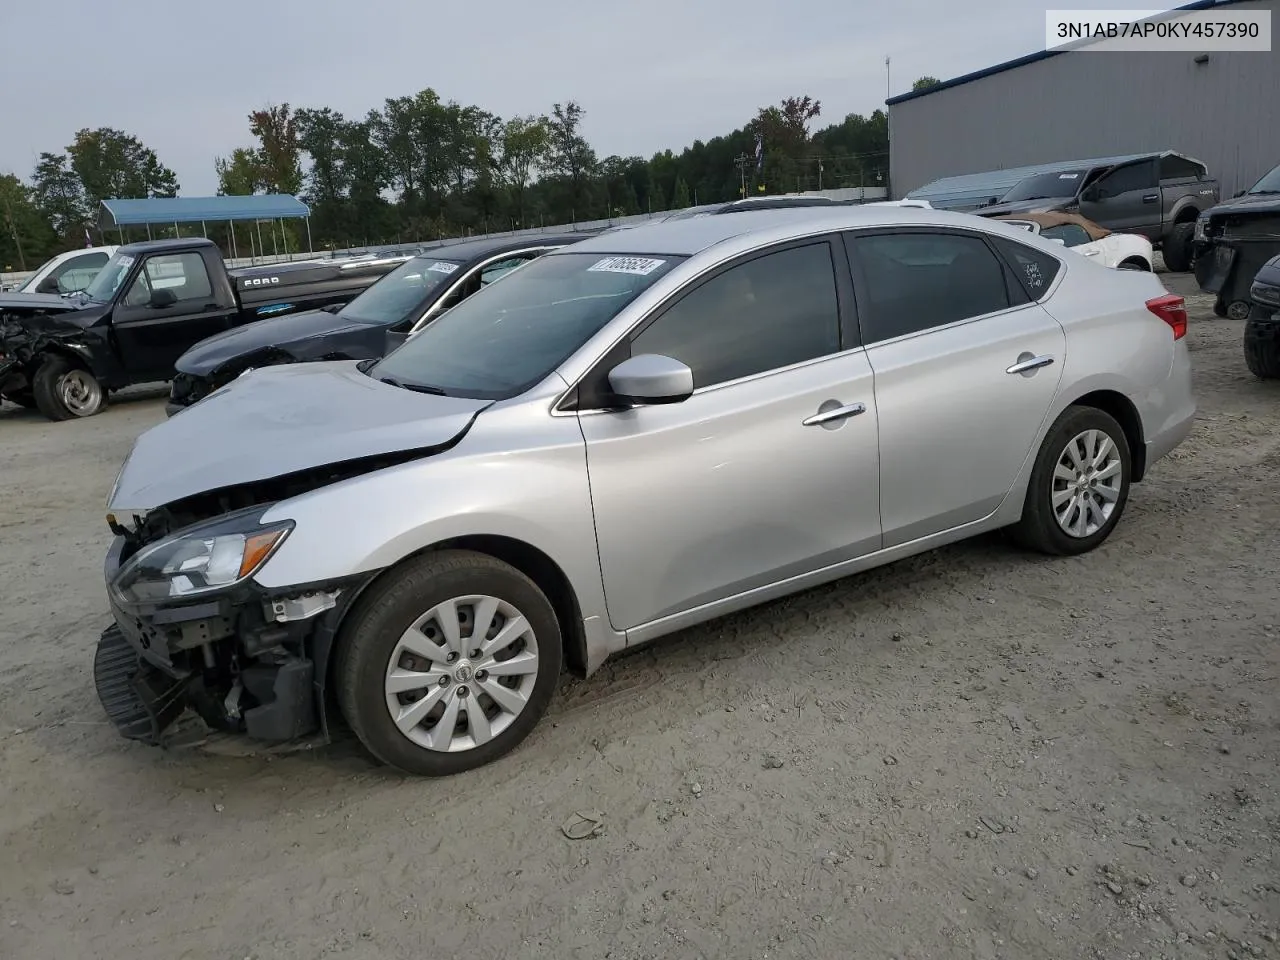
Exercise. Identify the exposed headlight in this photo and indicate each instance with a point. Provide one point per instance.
(1199, 230)
(200, 560)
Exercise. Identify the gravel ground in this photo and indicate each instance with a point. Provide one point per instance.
(973, 753)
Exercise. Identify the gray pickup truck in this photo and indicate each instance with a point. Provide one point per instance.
(1158, 195)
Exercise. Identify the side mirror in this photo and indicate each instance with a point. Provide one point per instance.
(394, 340)
(651, 378)
(162, 297)
(1091, 195)
(49, 285)
(1057, 240)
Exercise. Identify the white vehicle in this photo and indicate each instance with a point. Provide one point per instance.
(1122, 251)
(907, 202)
(68, 272)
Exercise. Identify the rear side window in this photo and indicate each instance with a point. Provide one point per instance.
(766, 313)
(1179, 168)
(1034, 269)
(915, 281)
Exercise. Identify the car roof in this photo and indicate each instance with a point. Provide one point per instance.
(466, 250)
(686, 237)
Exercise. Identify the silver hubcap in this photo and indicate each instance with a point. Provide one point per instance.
(462, 673)
(79, 392)
(1086, 483)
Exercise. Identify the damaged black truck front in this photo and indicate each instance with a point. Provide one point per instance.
(1233, 241)
(143, 310)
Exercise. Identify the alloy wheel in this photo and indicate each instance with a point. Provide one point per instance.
(1086, 484)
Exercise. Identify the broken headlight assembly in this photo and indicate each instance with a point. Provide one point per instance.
(200, 560)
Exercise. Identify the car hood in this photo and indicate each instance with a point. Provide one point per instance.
(44, 302)
(1249, 203)
(1025, 206)
(215, 351)
(278, 420)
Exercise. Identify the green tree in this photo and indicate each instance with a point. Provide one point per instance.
(924, 83)
(571, 157)
(680, 197)
(112, 164)
(526, 142)
(59, 194)
(278, 151)
(239, 175)
(26, 236)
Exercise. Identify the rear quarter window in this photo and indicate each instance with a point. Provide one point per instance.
(1033, 269)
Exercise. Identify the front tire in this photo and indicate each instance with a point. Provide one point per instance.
(1262, 349)
(64, 391)
(447, 663)
(1079, 485)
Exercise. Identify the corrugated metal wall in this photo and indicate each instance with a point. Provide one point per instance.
(1225, 112)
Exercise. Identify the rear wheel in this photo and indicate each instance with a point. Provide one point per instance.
(1079, 485)
(1238, 310)
(64, 391)
(1177, 247)
(1134, 263)
(448, 663)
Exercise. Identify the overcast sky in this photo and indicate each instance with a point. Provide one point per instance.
(182, 76)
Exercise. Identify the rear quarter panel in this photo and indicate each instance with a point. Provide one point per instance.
(1115, 343)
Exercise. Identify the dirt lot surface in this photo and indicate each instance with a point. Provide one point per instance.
(974, 753)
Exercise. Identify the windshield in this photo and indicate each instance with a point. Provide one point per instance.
(109, 278)
(510, 335)
(1270, 182)
(1046, 186)
(400, 292)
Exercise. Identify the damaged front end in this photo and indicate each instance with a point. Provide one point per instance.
(33, 325)
(1232, 245)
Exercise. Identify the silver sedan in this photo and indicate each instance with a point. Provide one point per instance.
(627, 436)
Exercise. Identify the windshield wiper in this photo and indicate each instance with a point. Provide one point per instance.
(415, 387)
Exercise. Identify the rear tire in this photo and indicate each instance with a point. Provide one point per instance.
(1134, 263)
(400, 680)
(1177, 247)
(1079, 485)
(64, 391)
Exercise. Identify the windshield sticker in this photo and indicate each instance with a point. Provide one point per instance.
(443, 267)
(1068, 176)
(640, 266)
(124, 260)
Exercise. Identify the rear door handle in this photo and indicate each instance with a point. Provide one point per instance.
(1035, 363)
(836, 413)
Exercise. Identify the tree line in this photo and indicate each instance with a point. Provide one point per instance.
(421, 167)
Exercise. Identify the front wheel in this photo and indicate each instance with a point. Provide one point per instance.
(64, 391)
(1079, 485)
(447, 663)
(1177, 247)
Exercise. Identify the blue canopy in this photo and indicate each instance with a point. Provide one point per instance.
(137, 213)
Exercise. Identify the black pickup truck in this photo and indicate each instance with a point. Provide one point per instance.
(144, 309)
(1232, 242)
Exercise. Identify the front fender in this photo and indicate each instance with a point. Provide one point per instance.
(524, 481)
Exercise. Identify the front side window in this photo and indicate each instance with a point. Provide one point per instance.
(392, 298)
(1136, 176)
(915, 281)
(511, 335)
(766, 313)
(183, 274)
(1071, 234)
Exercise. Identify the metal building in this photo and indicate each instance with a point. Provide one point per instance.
(1222, 108)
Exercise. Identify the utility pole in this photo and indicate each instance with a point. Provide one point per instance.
(13, 230)
(886, 78)
(742, 160)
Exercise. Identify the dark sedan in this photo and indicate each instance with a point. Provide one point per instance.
(403, 301)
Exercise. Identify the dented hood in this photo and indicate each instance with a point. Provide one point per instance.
(278, 420)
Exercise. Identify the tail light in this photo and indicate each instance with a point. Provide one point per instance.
(1172, 309)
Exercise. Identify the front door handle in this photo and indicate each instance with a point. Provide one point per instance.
(1034, 363)
(1150, 198)
(835, 413)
